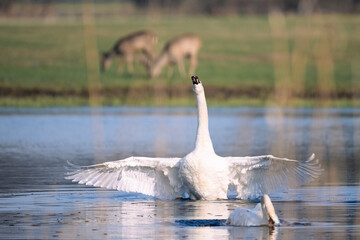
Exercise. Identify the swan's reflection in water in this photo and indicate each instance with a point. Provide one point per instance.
(207, 220)
(198, 211)
(207, 228)
(270, 233)
(87, 213)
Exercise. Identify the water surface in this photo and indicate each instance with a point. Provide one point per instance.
(36, 202)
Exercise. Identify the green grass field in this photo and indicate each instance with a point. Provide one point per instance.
(244, 60)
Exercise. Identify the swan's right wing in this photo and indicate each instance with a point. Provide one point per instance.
(255, 176)
(158, 177)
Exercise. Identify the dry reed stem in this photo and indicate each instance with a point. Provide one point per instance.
(93, 76)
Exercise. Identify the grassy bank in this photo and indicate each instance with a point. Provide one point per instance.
(244, 60)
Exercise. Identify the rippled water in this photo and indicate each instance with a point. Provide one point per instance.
(37, 203)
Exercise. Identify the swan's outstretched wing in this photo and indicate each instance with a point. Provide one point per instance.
(156, 177)
(255, 176)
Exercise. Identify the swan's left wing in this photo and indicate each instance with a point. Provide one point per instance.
(255, 176)
(156, 177)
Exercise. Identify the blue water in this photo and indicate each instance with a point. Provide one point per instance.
(37, 203)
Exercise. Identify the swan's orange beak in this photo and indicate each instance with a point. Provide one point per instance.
(195, 80)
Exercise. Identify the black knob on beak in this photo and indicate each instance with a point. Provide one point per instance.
(195, 80)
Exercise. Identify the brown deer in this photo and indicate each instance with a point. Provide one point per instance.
(127, 47)
(174, 52)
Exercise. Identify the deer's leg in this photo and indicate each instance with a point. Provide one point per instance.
(171, 70)
(193, 64)
(121, 66)
(181, 67)
(146, 59)
(129, 62)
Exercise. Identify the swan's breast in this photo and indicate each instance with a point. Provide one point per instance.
(205, 177)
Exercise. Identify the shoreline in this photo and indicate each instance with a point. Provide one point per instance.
(173, 95)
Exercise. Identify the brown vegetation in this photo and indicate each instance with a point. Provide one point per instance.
(212, 92)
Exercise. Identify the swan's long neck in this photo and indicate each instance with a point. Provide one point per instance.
(268, 209)
(203, 140)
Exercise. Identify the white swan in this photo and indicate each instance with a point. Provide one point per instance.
(201, 174)
(262, 215)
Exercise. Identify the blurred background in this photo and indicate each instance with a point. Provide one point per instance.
(282, 77)
(254, 53)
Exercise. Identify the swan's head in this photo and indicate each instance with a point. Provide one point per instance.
(197, 86)
(269, 210)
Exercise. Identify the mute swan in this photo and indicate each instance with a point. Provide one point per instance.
(201, 174)
(263, 214)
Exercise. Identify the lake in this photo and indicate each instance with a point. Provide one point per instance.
(36, 202)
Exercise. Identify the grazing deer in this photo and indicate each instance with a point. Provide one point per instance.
(174, 52)
(127, 47)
